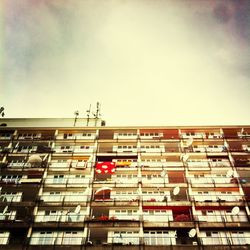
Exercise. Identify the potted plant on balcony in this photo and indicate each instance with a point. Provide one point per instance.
(182, 218)
(104, 218)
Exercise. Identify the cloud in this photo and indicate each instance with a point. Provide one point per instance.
(147, 62)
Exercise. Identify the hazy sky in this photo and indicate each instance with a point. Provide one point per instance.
(149, 62)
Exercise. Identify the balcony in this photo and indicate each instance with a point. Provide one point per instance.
(194, 135)
(87, 149)
(125, 149)
(17, 165)
(10, 197)
(68, 238)
(29, 136)
(5, 136)
(67, 181)
(88, 135)
(126, 135)
(152, 149)
(151, 135)
(64, 198)
(60, 216)
(159, 134)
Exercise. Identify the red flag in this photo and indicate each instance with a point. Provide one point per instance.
(105, 167)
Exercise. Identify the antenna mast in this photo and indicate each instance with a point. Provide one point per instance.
(97, 114)
(88, 114)
(76, 115)
(2, 111)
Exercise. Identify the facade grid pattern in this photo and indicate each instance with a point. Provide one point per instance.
(142, 187)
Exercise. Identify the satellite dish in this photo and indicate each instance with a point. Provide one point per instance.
(176, 190)
(235, 210)
(192, 233)
(35, 159)
(5, 210)
(230, 172)
(45, 157)
(190, 141)
(77, 209)
(163, 173)
(173, 233)
(184, 157)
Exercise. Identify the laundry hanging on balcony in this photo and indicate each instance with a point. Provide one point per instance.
(105, 167)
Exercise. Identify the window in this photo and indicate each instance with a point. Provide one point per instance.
(59, 163)
(5, 135)
(68, 136)
(125, 160)
(125, 134)
(71, 238)
(26, 148)
(213, 238)
(11, 178)
(58, 179)
(4, 237)
(238, 238)
(152, 176)
(157, 215)
(11, 196)
(128, 177)
(8, 215)
(155, 195)
(77, 179)
(157, 238)
(204, 192)
(76, 196)
(51, 238)
(43, 238)
(126, 238)
(51, 215)
(80, 176)
(126, 214)
(86, 135)
(29, 135)
(66, 149)
(152, 147)
(125, 195)
(125, 148)
(199, 176)
(151, 134)
(52, 196)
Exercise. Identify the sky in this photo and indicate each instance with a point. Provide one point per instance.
(148, 62)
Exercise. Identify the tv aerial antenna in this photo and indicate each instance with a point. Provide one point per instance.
(2, 111)
(97, 114)
(76, 115)
(88, 114)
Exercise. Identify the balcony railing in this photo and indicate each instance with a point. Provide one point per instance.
(153, 240)
(65, 216)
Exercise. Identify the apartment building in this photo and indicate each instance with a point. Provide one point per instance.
(66, 185)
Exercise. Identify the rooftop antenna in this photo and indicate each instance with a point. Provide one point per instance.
(76, 115)
(2, 111)
(88, 114)
(97, 114)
